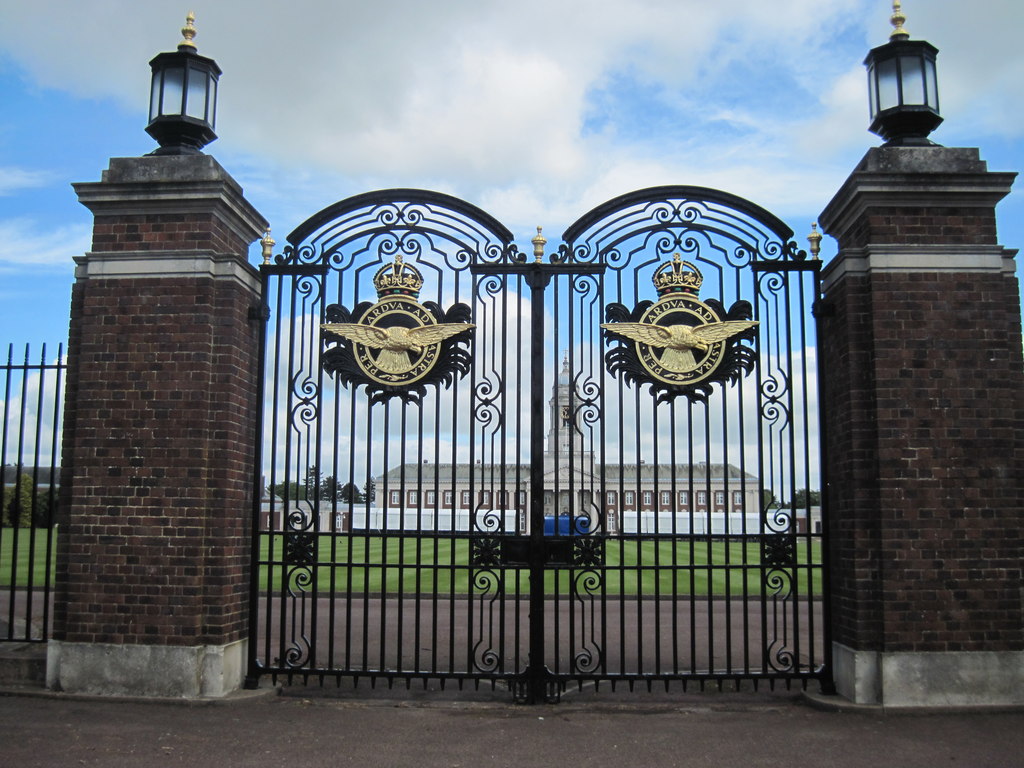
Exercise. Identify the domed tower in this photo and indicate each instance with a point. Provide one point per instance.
(563, 436)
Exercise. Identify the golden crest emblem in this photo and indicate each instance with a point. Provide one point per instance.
(679, 342)
(397, 343)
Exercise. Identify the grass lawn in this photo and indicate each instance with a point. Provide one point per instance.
(374, 564)
(30, 569)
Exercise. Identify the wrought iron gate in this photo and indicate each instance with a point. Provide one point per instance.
(590, 464)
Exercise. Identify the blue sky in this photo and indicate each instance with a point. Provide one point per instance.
(535, 111)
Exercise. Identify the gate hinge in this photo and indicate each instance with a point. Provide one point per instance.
(259, 312)
(823, 308)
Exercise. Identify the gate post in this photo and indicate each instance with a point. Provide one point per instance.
(153, 557)
(921, 358)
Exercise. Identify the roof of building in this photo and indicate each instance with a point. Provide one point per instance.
(434, 474)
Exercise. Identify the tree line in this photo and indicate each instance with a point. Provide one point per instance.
(316, 485)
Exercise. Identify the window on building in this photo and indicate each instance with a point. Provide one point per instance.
(684, 498)
(396, 498)
(414, 498)
(666, 498)
(502, 499)
(702, 498)
(629, 498)
(485, 498)
(611, 497)
(431, 498)
(464, 498)
(521, 496)
(737, 498)
(447, 498)
(648, 498)
(719, 498)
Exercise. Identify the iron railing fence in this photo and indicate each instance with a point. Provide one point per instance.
(30, 431)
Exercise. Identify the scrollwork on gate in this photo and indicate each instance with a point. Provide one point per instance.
(587, 586)
(488, 589)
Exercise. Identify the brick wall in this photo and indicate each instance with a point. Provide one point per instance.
(916, 225)
(163, 231)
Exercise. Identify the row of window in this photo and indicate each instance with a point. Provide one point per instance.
(628, 498)
(430, 498)
(665, 498)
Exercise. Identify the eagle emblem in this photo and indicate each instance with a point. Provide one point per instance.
(679, 344)
(397, 344)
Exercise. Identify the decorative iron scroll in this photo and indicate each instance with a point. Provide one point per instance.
(300, 557)
(587, 552)
(299, 548)
(779, 550)
(485, 552)
(583, 551)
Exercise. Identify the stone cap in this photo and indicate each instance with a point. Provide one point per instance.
(172, 184)
(914, 177)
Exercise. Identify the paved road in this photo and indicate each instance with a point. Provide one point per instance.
(723, 731)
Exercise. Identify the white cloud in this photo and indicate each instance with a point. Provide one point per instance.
(538, 109)
(26, 244)
(13, 180)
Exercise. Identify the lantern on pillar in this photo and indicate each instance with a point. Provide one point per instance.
(902, 87)
(183, 97)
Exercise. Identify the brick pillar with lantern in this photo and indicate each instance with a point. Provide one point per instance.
(920, 345)
(159, 439)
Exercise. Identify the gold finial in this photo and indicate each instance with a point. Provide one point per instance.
(188, 31)
(898, 19)
(538, 245)
(815, 240)
(268, 244)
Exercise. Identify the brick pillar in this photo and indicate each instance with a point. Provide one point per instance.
(924, 399)
(153, 556)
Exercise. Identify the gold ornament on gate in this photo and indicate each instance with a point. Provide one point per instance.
(397, 341)
(678, 340)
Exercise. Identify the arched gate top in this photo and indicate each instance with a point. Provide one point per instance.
(680, 207)
(389, 197)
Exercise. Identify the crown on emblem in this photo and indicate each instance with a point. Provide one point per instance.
(677, 276)
(398, 278)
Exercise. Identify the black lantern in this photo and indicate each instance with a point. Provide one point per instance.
(902, 87)
(183, 98)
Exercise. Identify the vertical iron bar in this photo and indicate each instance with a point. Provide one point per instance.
(828, 685)
(536, 280)
(252, 673)
(3, 463)
(52, 498)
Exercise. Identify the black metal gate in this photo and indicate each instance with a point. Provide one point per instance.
(596, 463)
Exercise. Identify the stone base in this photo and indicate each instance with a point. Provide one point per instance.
(146, 670)
(968, 679)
